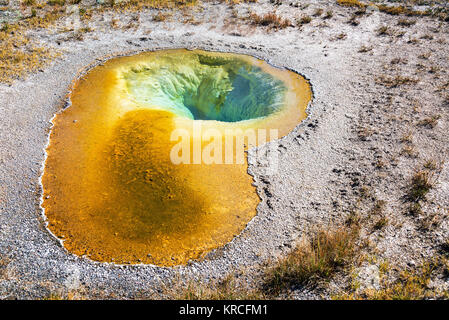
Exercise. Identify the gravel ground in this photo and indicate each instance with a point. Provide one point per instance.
(349, 153)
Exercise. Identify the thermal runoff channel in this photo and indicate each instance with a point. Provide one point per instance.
(147, 163)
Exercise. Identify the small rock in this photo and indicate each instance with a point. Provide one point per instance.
(368, 278)
(72, 9)
(10, 16)
(88, 3)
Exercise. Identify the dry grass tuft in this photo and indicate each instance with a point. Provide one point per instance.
(383, 30)
(329, 14)
(379, 207)
(314, 260)
(409, 151)
(351, 3)
(341, 36)
(233, 2)
(406, 22)
(429, 122)
(420, 185)
(304, 20)
(160, 17)
(381, 223)
(394, 82)
(378, 211)
(270, 19)
(388, 9)
(365, 48)
(399, 10)
(407, 137)
(393, 10)
(318, 12)
(56, 2)
(353, 20)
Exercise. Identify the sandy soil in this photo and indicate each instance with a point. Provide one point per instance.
(361, 144)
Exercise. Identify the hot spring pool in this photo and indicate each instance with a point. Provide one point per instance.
(121, 184)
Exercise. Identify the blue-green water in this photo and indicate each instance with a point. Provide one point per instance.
(206, 88)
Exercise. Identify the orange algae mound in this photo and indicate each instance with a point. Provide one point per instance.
(112, 191)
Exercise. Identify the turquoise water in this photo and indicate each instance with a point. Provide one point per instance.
(204, 88)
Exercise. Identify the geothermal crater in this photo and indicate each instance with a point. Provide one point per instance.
(145, 166)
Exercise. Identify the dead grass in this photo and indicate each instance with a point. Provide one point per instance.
(410, 285)
(19, 55)
(3, 265)
(311, 261)
(353, 20)
(381, 223)
(318, 12)
(401, 10)
(407, 137)
(388, 9)
(409, 151)
(351, 3)
(406, 22)
(432, 164)
(232, 2)
(341, 36)
(394, 82)
(434, 69)
(379, 207)
(115, 23)
(137, 5)
(415, 209)
(429, 122)
(364, 133)
(377, 214)
(314, 260)
(421, 183)
(399, 61)
(365, 48)
(304, 20)
(444, 248)
(426, 37)
(317, 259)
(329, 14)
(383, 31)
(425, 56)
(160, 16)
(271, 20)
(431, 220)
(56, 2)
(393, 10)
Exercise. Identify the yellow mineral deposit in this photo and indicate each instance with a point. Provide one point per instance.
(121, 185)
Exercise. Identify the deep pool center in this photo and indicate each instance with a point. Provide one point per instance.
(112, 192)
(206, 87)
